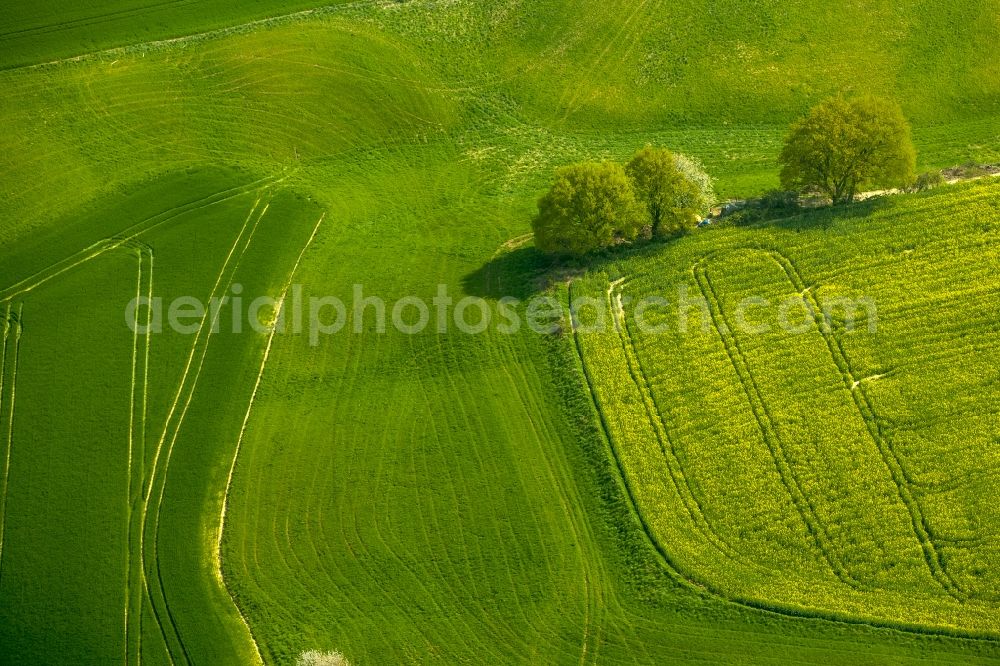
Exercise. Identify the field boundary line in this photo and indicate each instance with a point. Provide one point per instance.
(667, 446)
(217, 552)
(866, 410)
(623, 478)
(8, 451)
(705, 589)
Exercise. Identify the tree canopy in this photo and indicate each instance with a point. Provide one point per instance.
(590, 206)
(843, 146)
(674, 200)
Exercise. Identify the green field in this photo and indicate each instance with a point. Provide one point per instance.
(140, 431)
(600, 498)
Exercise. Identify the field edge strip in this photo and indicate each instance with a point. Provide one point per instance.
(217, 547)
(667, 446)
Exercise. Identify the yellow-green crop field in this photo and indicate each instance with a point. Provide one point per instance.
(814, 457)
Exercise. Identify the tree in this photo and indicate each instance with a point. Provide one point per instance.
(695, 172)
(674, 200)
(843, 146)
(590, 206)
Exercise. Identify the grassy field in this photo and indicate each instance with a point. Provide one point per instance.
(451, 498)
(37, 32)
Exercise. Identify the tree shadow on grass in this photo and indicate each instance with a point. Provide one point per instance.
(814, 218)
(519, 273)
(525, 271)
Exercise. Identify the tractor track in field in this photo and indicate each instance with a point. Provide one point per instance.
(667, 446)
(688, 580)
(459, 390)
(142, 457)
(498, 633)
(594, 598)
(127, 235)
(863, 402)
(128, 239)
(144, 47)
(766, 424)
(91, 20)
(599, 64)
(158, 470)
(136, 456)
(12, 322)
(12, 325)
(131, 452)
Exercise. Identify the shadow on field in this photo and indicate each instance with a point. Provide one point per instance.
(813, 218)
(520, 273)
(525, 271)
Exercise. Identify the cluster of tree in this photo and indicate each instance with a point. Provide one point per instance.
(595, 205)
(839, 149)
